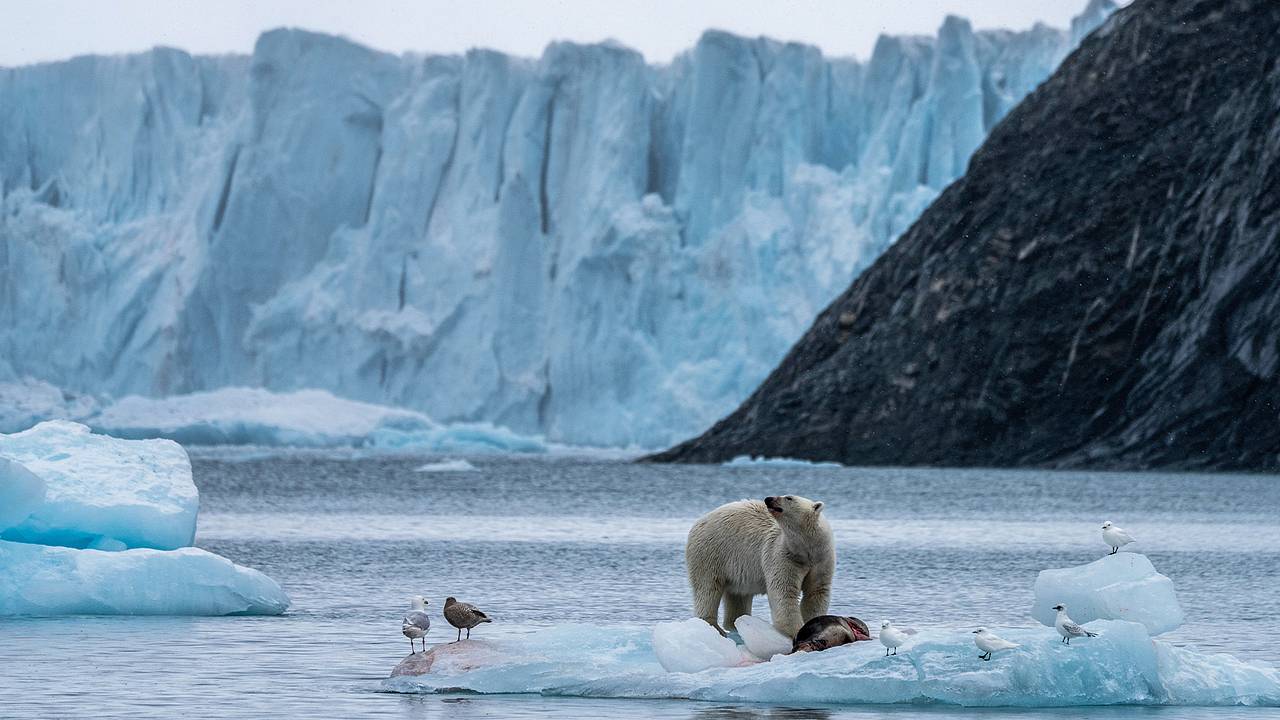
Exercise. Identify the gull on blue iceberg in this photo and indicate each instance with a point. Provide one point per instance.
(988, 642)
(1115, 537)
(891, 637)
(416, 623)
(1067, 627)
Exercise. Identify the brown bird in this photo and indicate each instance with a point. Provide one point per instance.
(463, 616)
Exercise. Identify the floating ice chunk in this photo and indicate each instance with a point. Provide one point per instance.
(693, 646)
(1124, 586)
(749, 461)
(458, 465)
(761, 639)
(1192, 678)
(1120, 666)
(138, 493)
(21, 492)
(47, 580)
(457, 438)
(306, 418)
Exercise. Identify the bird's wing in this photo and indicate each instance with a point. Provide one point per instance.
(417, 619)
(1125, 536)
(1072, 628)
(476, 610)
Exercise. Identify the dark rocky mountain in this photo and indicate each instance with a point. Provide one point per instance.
(1101, 289)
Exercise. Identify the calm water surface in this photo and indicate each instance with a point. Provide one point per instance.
(550, 540)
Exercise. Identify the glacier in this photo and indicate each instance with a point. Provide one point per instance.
(101, 491)
(583, 247)
(91, 524)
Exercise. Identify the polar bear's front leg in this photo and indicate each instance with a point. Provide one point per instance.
(817, 594)
(784, 603)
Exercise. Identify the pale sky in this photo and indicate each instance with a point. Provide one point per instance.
(39, 30)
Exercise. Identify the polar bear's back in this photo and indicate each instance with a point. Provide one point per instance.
(727, 543)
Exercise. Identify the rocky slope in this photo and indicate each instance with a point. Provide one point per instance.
(583, 245)
(1101, 289)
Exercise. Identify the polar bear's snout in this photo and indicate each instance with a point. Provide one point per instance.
(774, 504)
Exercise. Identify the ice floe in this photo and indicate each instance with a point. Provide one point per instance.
(49, 580)
(689, 659)
(304, 418)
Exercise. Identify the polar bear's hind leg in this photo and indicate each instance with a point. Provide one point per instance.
(706, 599)
(735, 606)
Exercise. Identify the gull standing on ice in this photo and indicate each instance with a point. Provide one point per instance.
(1067, 627)
(988, 642)
(892, 637)
(463, 616)
(417, 623)
(1115, 537)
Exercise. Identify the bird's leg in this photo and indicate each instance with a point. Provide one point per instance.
(468, 633)
(895, 651)
(886, 652)
(1114, 551)
(459, 635)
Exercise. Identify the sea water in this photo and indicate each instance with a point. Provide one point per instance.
(543, 541)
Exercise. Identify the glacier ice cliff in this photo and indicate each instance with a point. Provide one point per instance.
(91, 524)
(583, 246)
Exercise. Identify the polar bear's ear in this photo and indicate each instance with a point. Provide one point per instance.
(817, 508)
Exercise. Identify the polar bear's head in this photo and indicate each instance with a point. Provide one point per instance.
(793, 510)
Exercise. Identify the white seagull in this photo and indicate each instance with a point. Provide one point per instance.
(1067, 627)
(891, 637)
(1115, 537)
(417, 623)
(988, 642)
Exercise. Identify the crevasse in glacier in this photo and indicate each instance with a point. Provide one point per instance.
(582, 246)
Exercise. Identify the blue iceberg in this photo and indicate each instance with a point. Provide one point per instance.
(1124, 586)
(94, 524)
(102, 491)
(50, 580)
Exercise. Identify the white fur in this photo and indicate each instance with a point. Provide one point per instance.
(739, 550)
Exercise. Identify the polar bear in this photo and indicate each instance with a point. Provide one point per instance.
(780, 547)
